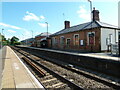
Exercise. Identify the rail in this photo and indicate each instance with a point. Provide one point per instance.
(26, 57)
(34, 66)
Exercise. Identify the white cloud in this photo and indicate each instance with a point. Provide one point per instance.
(43, 24)
(10, 26)
(32, 16)
(25, 34)
(42, 17)
(83, 13)
(11, 31)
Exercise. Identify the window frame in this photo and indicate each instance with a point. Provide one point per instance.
(61, 41)
(69, 43)
(88, 33)
(75, 41)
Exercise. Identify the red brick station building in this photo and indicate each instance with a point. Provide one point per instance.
(93, 36)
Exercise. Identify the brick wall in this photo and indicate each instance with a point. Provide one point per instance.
(82, 36)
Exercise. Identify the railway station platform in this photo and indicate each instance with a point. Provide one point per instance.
(104, 55)
(100, 62)
(16, 75)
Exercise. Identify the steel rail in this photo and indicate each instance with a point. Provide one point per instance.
(34, 66)
(86, 75)
(75, 86)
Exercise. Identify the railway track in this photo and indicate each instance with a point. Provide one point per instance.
(47, 77)
(72, 75)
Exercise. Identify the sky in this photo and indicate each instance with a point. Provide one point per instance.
(22, 19)
(119, 14)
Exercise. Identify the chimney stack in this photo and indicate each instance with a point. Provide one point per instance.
(67, 24)
(95, 15)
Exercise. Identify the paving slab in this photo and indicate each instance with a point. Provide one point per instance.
(16, 74)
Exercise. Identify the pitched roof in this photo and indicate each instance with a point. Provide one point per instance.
(43, 34)
(29, 39)
(85, 26)
(102, 24)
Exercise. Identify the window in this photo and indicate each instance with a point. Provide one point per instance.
(55, 40)
(62, 40)
(68, 42)
(91, 38)
(76, 39)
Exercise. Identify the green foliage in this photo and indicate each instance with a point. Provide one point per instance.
(13, 41)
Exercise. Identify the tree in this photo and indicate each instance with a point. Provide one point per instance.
(8, 41)
(14, 41)
(3, 40)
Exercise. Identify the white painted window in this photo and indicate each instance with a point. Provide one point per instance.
(56, 41)
(68, 41)
(91, 38)
(76, 39)
(53, 41)
(62, 40)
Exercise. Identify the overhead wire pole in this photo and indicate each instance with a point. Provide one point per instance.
(47, 28)
(24, 40)
(63, 16)
(91, 19)
(90, 8)
(32, 33)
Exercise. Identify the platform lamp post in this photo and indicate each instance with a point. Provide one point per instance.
(47, 28)
(32, 33)
(91, 35)
(2, 31)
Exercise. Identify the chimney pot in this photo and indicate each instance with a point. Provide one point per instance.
(67, 24)
(95, 15)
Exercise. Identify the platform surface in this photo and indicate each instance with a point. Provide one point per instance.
(2, 57)
(16, 75)
(106, 56)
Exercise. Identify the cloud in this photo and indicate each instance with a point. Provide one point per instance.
(43, 24)
(25, 34)
(32, 16)
(10, 26)
(83, 13)
(42, 17)
(11, 31)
